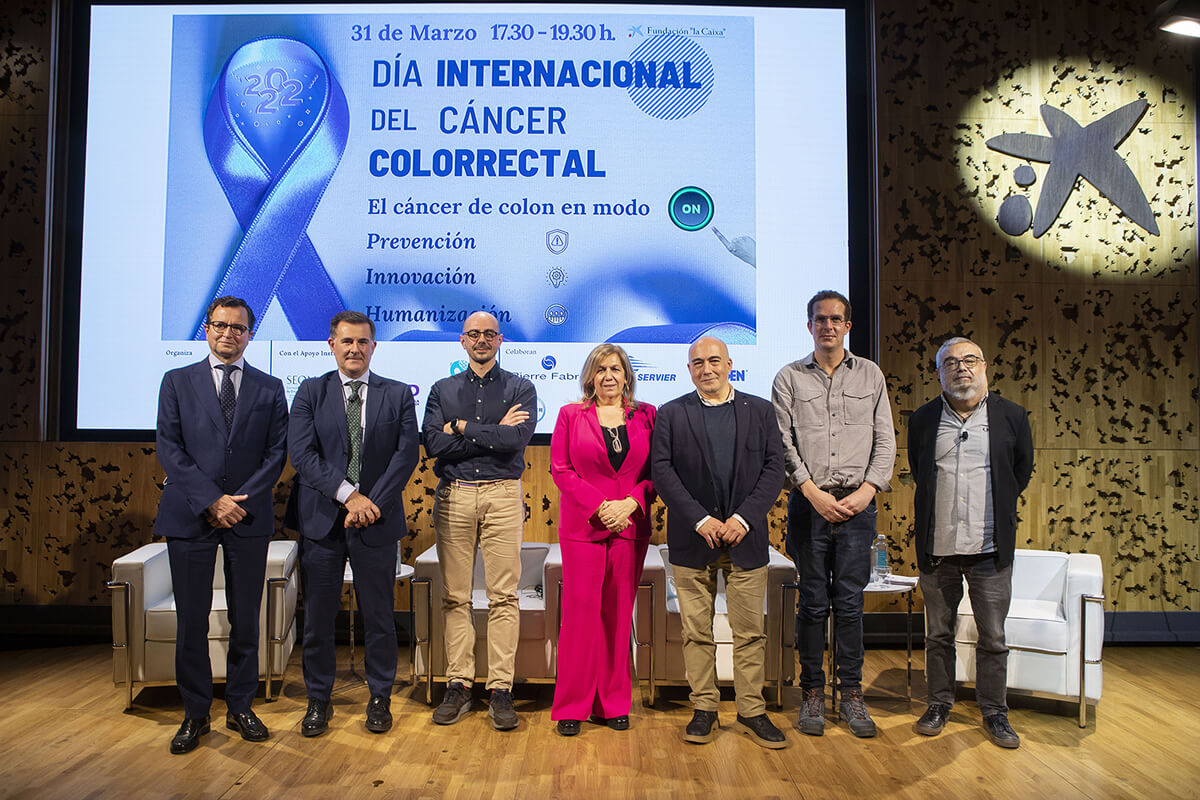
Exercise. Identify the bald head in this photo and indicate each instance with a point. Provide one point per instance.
(481, 339)
(481, 321)
(705, 344)
(709, 363)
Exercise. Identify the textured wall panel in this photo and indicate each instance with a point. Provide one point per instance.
(24, 102)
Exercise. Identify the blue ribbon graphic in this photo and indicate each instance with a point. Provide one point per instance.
(275, 130)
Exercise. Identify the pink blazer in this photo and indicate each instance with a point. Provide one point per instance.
(585, 477)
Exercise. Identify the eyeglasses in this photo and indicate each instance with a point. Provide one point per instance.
(970, 362)
(221, 327)
(834, 320)
(474, 335)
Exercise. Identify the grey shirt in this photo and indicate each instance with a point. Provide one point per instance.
(963, 515)
(837, 430)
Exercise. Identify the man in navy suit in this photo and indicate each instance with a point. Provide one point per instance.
(716, 458)
(221, 440)
(354, 443)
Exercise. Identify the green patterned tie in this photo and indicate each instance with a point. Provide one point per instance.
(354, 428)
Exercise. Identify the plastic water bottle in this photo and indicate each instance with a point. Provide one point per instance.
(880, 571)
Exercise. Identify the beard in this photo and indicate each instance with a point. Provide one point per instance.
(966, 391)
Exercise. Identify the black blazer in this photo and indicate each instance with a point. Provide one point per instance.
(684, 480)
(1011, 449)
(319, 446)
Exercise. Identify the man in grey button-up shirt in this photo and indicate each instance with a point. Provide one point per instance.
(971, 454)
(839, 449)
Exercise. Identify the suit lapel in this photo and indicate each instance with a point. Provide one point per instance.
(376, 398)
(245, 397)
(638, 444)
(592, 422)
(334, 409)
(741, 415)
(205, 388)
(929, 440)
(696, 423)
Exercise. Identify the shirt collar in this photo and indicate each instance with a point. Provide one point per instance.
(489, 376)
(365, 377)
(713, 403)
(214, 362)
(810, 360)
(949, 409)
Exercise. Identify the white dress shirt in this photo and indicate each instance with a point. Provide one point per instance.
(347, 488)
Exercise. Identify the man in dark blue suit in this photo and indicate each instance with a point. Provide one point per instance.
(354, 443)
(221, 438)
(716, 458)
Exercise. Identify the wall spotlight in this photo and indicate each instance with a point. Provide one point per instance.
(1178, 16)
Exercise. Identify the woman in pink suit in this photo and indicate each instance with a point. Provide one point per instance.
(600, 460)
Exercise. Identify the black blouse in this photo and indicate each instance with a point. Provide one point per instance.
(617, 441)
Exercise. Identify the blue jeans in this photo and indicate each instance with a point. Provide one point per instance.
(833, 561)
(991, 591)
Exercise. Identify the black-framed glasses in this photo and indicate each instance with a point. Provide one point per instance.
(474, 335)
(970, 362)
(220, 327)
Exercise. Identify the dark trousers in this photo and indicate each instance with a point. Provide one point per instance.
(193, 562)
(990, 590)
(833, 562)
(322, 568)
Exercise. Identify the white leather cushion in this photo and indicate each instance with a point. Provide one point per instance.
(1032, 624)
(160, 619)
(532, 614)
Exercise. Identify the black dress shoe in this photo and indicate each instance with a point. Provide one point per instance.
(764, 731)
(620, 723)
(248, 725)
(316, 719)
(189, 734)
(379, 716)
(700, 729)
(933, 720)
(568, 727)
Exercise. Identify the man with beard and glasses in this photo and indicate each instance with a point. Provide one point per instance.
(477, 424)
(971, 454)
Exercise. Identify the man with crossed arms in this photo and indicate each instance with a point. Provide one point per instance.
(477, 424)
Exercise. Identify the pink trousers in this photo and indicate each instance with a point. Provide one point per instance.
(599, 584)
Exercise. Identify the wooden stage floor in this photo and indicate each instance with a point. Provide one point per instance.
(66, 737)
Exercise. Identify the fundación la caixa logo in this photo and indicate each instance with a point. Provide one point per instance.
(1073, 151)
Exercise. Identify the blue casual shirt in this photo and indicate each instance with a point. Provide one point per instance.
(487, 450)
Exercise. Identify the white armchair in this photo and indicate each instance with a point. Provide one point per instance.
(1054, 630)
(538, 599)
(143, 617)
(658, 630)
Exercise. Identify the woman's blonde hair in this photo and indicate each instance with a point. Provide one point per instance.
(587, 377)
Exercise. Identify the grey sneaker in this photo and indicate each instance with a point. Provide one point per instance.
(1000, 732)
(812, 713)
(501, 710)
(456, 703)
(854, 711)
